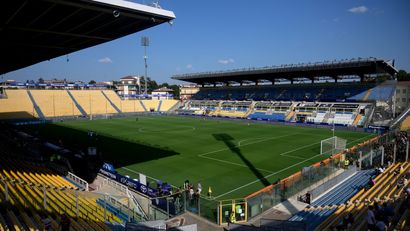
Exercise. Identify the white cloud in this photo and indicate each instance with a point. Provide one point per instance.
(226, 61)
(105, 60)
(358, 10)
(189, 66)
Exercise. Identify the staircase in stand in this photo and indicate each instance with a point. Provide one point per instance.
(326, 117)
(357, 120)
(81, 109)
(112, 104)
(143, 106)
(366, 96)
(290, 116)
(36, 107)
(281, 94)
(159, 105)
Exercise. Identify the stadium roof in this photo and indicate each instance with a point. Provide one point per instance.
(334, 69)
(35, 31)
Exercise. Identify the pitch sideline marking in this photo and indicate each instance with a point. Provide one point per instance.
(272, 174)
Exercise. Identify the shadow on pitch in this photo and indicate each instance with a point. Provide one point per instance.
(117, 151)
(229, 142)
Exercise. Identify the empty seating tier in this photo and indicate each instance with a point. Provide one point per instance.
(325, 205)
(34, 193)
(55, 103)
(385, 190)
(17, 105)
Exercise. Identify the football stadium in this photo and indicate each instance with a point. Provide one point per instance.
(304, 146)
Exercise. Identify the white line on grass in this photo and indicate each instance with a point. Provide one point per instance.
(236, 146)
(257, 138)
(233, 163)
(296, 149)
(274, 173)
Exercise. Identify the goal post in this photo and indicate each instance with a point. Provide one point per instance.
(332, 145)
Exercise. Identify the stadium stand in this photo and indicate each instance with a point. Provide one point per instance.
(405, 124)
(131, 106)
(40, 113)
(325, 205)
(234, 109)
(93, 102)
(276, 111)
(385, 190)
(151, 105)
(381, 92)
(167, 105)
(345, 114)
(28, 185)
(111, 102)
(17, 105)
(55, 103)
(285, 92)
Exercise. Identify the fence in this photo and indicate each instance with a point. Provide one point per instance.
(272, 195)
(77, 180)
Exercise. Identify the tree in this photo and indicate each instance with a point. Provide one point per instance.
(40, 80)
(92, 82)
(402, 75)
(176, 90)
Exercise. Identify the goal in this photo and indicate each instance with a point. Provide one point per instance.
(332, 145)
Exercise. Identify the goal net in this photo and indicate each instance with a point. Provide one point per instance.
(332, 145)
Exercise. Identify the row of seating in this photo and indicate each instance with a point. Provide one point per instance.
(234, 114)
(298, 92)
(341, 114)
(55, 103)
(382, 92)
(384, 190)
(405, 125)
(266, 116)
(58, 103)
(17, 105)
(39, 191)
(342, 118)
(325, 205)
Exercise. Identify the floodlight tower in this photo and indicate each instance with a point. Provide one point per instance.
(145, 44)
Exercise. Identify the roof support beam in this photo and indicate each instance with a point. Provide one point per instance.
(16, 12)
(41, 15)
(78, 4)
(59, 33)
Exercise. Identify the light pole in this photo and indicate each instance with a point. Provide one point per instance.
(145, 44)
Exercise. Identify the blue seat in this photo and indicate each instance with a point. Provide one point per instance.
(336, 196)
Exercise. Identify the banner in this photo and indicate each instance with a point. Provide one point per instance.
(109, 171)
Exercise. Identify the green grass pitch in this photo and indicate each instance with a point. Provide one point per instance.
(235, 158)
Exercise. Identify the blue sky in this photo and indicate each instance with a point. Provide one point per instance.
(212, 35)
